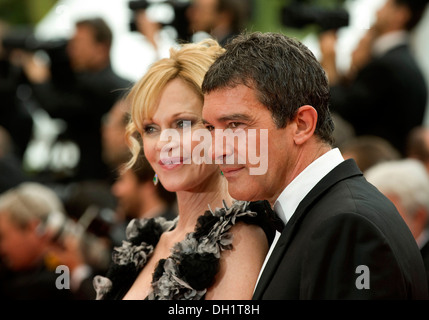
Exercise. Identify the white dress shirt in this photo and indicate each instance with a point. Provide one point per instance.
(296, 191)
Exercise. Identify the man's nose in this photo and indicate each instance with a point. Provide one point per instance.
(220, 149)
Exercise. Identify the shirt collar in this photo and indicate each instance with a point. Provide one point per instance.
(388, 41)
(296, 191)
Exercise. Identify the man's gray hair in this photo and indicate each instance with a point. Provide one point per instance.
(30, 201)
(406, 179)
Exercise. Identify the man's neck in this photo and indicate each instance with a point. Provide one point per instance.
(307, 155)
(289, 199)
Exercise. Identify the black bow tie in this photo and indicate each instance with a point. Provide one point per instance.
(276, 221)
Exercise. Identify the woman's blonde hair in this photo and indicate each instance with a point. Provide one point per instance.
(188, 62)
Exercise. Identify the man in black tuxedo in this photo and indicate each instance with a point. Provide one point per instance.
(385, 93)
(342, 238)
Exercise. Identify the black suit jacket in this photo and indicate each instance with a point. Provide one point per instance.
(344, 222)
(386, 99)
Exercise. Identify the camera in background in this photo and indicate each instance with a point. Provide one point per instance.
(24, 39)
(300, 14)
(168, 13)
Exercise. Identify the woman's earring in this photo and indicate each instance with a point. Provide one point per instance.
(155, 179)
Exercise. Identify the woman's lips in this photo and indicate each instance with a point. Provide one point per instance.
(171, 163)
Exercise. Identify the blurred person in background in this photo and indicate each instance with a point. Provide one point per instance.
(36, 236)
(115, 150)
(139, 197)
(92, 206)
(418, 145)
(220, 19)
(343, 131)
(406, 183)
(11, 170)
(152, 34)
(14, 114)
(24, 243)
(149, 20)
(367, 151)
(82, 98)
(385, 93)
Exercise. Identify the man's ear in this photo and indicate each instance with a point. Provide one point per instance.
(305, 124)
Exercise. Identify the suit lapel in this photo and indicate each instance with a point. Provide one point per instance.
(345, 170)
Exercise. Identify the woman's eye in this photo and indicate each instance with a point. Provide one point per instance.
(209, 127)
(184, 124)
(148, 129)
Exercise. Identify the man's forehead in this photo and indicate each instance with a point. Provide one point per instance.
(231, 116)
(232, 89)
(237, 96)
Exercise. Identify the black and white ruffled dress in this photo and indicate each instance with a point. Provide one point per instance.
(191, 268)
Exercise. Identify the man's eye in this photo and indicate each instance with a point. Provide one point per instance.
(209, 127)
(234, 125)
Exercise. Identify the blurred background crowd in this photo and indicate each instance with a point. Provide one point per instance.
(66, 67)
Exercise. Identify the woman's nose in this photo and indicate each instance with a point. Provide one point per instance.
(168, 140)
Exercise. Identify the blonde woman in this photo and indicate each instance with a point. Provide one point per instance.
(216, 246)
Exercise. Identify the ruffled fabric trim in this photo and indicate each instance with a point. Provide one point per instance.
(190, 269)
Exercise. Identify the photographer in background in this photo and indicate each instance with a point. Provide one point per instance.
(83, 99)
(24, 243)
(36, 236)
(149, 19)
(221, 19)
(15, 118)
(385, 93)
